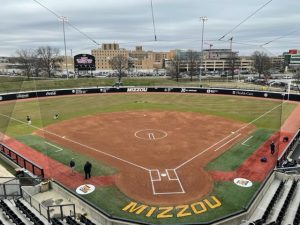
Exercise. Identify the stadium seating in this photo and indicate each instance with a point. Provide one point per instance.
(286, 203)
(55, 221)
(297, 216)
(270, 206)
(28, 214)
(71, 221)
(272, 202)
(86, 221)
(10, 214)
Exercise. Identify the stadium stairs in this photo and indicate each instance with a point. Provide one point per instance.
(283, 207)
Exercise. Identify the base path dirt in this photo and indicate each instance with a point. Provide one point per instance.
(160, 155)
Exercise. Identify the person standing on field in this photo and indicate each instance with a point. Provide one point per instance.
(28, 119)
(87, 169)
(272, 148)
(72, 165)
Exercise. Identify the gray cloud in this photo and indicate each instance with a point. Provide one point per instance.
(25, 24)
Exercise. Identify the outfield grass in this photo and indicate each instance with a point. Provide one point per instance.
(64, 157)
(237, 154)
(233, 108)
(232, 197)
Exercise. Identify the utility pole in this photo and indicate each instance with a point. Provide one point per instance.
(64, 19)
(203, 19)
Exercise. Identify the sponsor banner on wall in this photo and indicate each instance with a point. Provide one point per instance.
(75, 91)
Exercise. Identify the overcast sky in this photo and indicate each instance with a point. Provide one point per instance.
(25, 24)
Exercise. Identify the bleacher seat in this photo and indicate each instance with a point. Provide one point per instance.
(55, 221)
(27, 213)
(71, 221)
(86, 221)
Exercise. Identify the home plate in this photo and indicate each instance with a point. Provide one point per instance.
(163, 174)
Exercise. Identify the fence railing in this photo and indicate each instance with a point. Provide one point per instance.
(21, 161)
(10, 188)
(50, 211)
(289, 148)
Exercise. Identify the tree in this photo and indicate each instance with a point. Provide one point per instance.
(119, 63)
(173, 68)
(49, 59)
(192, 64)
(26, 58)
(262, 62)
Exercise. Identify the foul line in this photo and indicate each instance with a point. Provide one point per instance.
(244, 143)
(83, 145)
(227, 142)
(200, 153)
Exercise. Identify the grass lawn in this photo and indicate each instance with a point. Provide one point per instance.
(233, 108)
(232, 197)
(64, 157)
(237, 154)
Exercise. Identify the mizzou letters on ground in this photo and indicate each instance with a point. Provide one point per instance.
(196, 208)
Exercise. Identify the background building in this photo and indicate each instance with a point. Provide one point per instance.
(107, 52)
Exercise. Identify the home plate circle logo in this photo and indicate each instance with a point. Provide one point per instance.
(150, 134)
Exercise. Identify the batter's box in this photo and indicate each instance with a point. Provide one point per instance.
(165, 182)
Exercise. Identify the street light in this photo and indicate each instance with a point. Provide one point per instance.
(63, 19)
(203, 19)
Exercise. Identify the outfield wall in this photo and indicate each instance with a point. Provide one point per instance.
(99, 90)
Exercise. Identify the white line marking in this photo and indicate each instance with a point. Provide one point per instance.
(83, 145)
(244, 143)
(179, 181)
(169, 178)
(227, 142)
(200, 153)
(169, 193)
(158, 174)
(59, 150)
(53, 145)
(152, 183)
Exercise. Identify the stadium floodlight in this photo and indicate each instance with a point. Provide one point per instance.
(203, 19)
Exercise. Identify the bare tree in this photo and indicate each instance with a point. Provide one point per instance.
(119, 63)
(49, 59)
(26, 58)
(174, 68)
(192, 63)
(262, 62)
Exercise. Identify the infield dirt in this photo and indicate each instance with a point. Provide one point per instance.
(170, 147)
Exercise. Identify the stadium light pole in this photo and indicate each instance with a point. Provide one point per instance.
(63, 19)
(203, 19)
